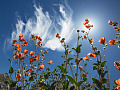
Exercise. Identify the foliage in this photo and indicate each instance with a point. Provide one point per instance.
(34, 76)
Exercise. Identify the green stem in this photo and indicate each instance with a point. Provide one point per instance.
(77, 62)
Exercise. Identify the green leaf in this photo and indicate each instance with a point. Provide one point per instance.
(95, 64)
(11, 70)
(115, 82)
(62, 69)
(19, 88)
(84, 77)
(78, 49)
(74, 49)
(48, 69)
(70, 59)
(10, 60)
(63, 56)
(46, 76)
(71, 79)
(13, 84)
(103, 63)
(32, 89)
(66, 52)
(72, 88)
(85, 64)
(103, 74)
(65, 86)
(44, 86)
(94, 67)
(53, 85)
(104, 80)
(31, 78)
(99, 71)
(79, 83)
(97, 82)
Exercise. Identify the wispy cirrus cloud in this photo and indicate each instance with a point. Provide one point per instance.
(43, 25)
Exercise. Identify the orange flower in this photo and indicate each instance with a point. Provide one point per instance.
(18, 46)
(84, 36)
(31, 53)
(39, 42)
(15, 44)
(36, 37)
(92, 54)
(32, 37)
(40, 38)
(111, 42)
(20, 54)
(18, 76)
(85, 58)
(16, 56)
(69, 52)
(85, 22)
(118, 87)
(31, 70)
(43, 55)
(86, 19)
(102, 40)
(31, 60)
(37, 58)
(14, 40)
(80, 67)
(25, 51)
(23, 55)
(91, 41)
(51, 62)
(21, 35)
(118, 82)
(61, 41)
(25, 43)
(89, 25)
(118, 46)
(19, 49)
(80, 61)
(41, 66)
(14, 52)
(117, 67)
(27, 74)
(57, 34)
(23, 39)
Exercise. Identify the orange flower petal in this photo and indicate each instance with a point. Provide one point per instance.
(111, 42)
(51, 62)
(41, 66)
(25, 51)
(18, 76)
(31, 53)
(85, 58)
(14, 40)
(21, 35)
(102, 40)
(37, 58)
(31, 60)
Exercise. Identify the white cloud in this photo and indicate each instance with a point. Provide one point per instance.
(42, 25)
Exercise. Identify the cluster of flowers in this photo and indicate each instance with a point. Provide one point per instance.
(86, 23)
(118, 83)
(62, 41)
(114, 42)
(21, 56)
(117, 28)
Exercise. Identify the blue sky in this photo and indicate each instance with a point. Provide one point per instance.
(48, 17)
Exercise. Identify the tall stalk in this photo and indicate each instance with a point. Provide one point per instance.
(77, 61)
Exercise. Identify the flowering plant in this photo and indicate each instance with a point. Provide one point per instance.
(35, 77)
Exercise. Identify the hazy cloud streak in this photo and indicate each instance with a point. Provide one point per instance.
(43, 26)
